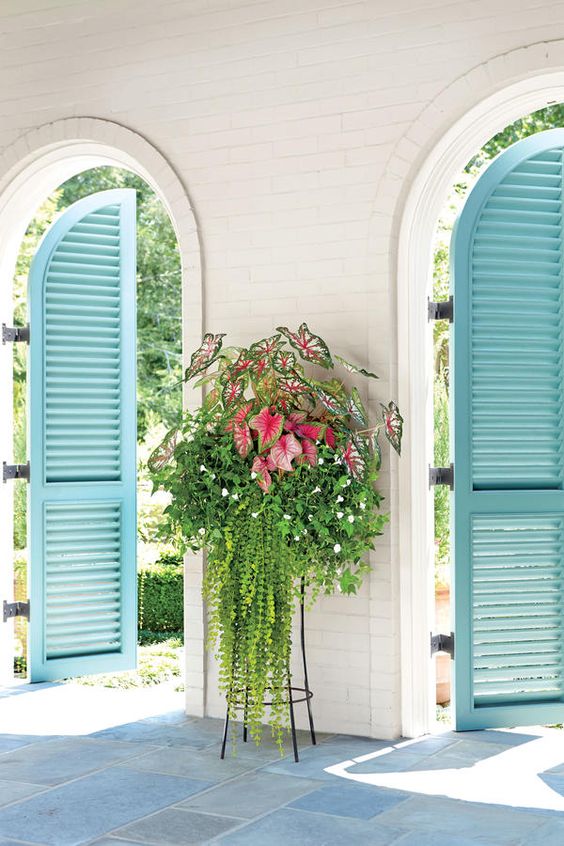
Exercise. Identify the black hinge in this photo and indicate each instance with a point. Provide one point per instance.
(15, 334)
(16, 609)
(441, 311)
(442, 643)
(15, 471)
(442, 476)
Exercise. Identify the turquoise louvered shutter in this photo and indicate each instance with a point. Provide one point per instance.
(508, 440)
(83, 441)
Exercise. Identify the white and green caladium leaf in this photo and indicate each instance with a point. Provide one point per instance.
(377, 449)
(393, 425)
(232, 391)
(311, 347)
(354, 368)
(267, 346)
(284, 361)
(356, 408)
(164, 452)
(211, 399)
(204, 356)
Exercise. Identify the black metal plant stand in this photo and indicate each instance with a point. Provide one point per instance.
(293, 699)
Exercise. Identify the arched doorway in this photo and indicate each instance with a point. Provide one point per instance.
(59, 151)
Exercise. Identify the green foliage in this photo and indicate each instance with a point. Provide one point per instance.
(161, 598)
(277, 485)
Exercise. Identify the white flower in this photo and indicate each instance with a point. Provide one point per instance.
(316, 490)
(213, 475)
(225, 492)
(320, 461)
(340, 515)
(287, 517)
(234, 496)
(202, 531)
(337, 547)
(336, 459)
(348, 482)
(310, 517)
(254, 514)
(203, 468)
(340, 498)
(304, 531)
(350, 518)
(362, 506)
(296, 537)
(253, 475)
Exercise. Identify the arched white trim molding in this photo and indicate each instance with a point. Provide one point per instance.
(417, 178)
(30, 169)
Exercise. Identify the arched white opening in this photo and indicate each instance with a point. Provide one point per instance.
(421, 209)
(29, 171)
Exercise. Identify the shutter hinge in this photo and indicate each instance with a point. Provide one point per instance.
(441, 311)
(16, 609)
(442, 643)
(442, 476)
(15, 334)
(15, 471)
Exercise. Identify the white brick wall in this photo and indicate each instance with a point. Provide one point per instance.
(294, 125)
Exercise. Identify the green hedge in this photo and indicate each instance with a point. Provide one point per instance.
(161, 599)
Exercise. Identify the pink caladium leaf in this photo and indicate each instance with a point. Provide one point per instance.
(393, 425)
(232, 391)
(268, 426)
(356, 409)
(204, 356)
(241, 414)
(264, 479)
(243, 363)
(293, 420)
(353, 459)
(266, 347)
(284, 361)
(330, 437)
(242, 438)
(311, 347)
(309, 453)
(313, 431)
(164, 452)
(284, 450)
(270, 462)
(354, 368)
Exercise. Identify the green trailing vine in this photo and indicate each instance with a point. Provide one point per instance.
(274, 476)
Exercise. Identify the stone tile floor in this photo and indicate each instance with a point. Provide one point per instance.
(83, 765)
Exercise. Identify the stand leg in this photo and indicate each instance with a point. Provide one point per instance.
(225, 729)
(293, 722)
(306, 681)
(245, 732)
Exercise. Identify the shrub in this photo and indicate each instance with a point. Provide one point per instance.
(161, 598)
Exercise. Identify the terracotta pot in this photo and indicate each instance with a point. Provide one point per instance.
(443, 662)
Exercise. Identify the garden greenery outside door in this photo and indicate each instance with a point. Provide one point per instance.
(82, 441)
(508, 431)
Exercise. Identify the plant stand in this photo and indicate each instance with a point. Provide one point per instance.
(295, 695)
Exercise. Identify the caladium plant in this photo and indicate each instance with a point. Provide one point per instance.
(277, 411)
(274, 476)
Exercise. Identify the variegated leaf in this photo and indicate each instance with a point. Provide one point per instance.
(393, 425)
(266, 347)
(311, 347)
(204, 356)
(211, 399)
(232, 392)
(330, 437)
(294, 387)
(284, 361)
(260, 467)
(310, 430)
(377, 450)
(354, 368)
(293, 420)
(266, 388)
(309, 453)
(164, 452)
(268, 426)
(356, 408)
(330, 402)
(284, 450)
(242, 438)
(241, 414)
(244, 362)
